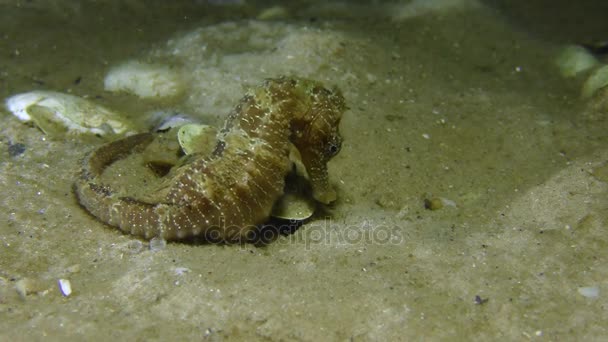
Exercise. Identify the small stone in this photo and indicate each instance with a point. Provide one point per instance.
(15, 149)
(434, 203)
(479, 301)
(28, 286)
(73, 269)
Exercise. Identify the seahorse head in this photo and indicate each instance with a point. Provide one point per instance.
(315, 132)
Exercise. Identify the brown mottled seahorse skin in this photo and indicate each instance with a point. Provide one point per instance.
(225, 195)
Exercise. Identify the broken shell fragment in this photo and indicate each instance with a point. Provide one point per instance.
(168, 120)
(57, 113)
(196, 138)
(293, 206)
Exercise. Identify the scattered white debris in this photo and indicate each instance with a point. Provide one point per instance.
(170, 120)
(65, 287)
(55, 113)
(157, 244)
(144, 80)
(589, 291)
(181, 270)
(448, 202)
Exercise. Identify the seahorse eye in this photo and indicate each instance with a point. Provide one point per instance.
(333, 147)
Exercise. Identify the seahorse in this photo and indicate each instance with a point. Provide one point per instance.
(226, 195)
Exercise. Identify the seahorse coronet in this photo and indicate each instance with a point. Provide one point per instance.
(225, 195)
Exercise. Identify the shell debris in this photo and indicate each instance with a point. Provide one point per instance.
(144, 80)
(589, 291)
(65, 287)
(57, 113)
(28, 286)
(196, 138)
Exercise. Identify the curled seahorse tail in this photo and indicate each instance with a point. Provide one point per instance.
(101, 200)
(94, 163)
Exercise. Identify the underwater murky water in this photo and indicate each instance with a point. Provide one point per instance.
(472, 182)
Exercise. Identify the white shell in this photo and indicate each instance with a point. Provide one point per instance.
(573, 60)
(293, 206)
(56, 112)
(144, 80)
(170, 120)
(65, 287)
(196, 138)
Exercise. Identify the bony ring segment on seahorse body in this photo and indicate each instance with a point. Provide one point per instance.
(225, 195)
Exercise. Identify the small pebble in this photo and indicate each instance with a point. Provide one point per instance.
(479, 301)
(73, 269)
(16, 149)
(434, 203)
(181, 270)
(27, 286)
